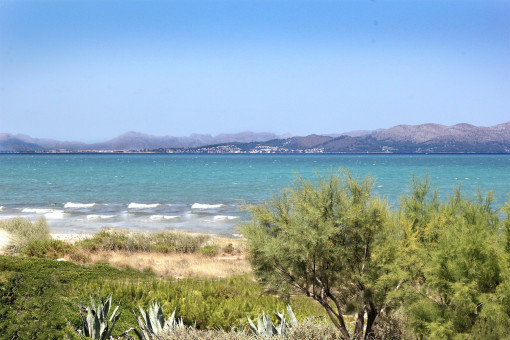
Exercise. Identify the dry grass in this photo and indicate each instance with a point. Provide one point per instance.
(229, 261)
(175, 265)
(19, 232)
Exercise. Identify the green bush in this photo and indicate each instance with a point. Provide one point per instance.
(229, 249)
(331, 240)
(210, 250)
(23, 232)
(52, 249)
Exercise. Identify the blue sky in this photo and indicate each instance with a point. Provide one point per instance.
(91, 70)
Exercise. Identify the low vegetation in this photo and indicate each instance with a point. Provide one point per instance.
(349, 265)
(110, 239)
(21, 232)
(40, 298)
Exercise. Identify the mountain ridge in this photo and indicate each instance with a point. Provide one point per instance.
(423, 138)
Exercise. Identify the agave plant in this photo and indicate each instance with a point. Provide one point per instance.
(152, 322)
(265, 327)
(95, 321)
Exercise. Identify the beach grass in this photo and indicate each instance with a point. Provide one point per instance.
(168, 253)
(113, 239)
(21, 232)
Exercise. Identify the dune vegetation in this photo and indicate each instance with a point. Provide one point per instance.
(349, 265)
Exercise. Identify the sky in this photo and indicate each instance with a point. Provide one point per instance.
(91, 70)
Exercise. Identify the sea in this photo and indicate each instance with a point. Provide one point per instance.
(206, 193)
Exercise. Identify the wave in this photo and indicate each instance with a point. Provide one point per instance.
(37, 211)
(162, 217)
(133, 205)
(79, 205)
(205, 206)
(52, 214)
(224, 218)
(55, 215)
(1, 207)
(99, 217)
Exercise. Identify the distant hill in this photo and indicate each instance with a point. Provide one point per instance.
(130, 141)
(11, 143)
(425, 138)
(140, 141)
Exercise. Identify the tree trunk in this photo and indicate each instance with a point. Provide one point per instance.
(371, 316)
(339, 324)
(358, 330)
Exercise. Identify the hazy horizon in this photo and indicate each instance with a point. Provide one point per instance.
(92, 70)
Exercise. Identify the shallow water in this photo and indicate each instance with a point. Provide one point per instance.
(84, 192)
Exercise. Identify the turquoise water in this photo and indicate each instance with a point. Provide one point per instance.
(82, 193)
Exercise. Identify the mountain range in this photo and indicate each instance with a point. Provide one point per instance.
(425, 138)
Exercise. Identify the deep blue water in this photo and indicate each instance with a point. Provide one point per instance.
(84, 192)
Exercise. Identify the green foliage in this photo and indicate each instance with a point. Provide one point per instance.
(210, 250)
(95, 321)
(31, 289)
(48, 248)
(36, 296)
(23, 232)
(456, 265)
(165, 242)
(229, 249)
(211, 303)
(323, 239)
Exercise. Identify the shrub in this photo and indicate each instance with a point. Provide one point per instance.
(52, 249)
(210, 250)
(328, 239)
(229, 249)
(23, 232)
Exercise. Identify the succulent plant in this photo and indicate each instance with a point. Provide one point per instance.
(266, 328)
(152, 322)
(95, 321)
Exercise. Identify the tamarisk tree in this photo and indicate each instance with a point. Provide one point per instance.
(332, 240)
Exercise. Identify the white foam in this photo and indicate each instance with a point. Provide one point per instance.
(133, 205)
(37, 211)
(99, 217)
(205, 206)
(55, 215)
(224, 218)
(162, 217)
(1, 207)
(79, 205)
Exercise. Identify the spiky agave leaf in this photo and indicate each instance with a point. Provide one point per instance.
(253, 328)
(292, 318)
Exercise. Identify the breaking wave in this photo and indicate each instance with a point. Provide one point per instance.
(133, 205)
(205, 206)
(224, 217)
(79, 205)
(162, 217)
(99, 217)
